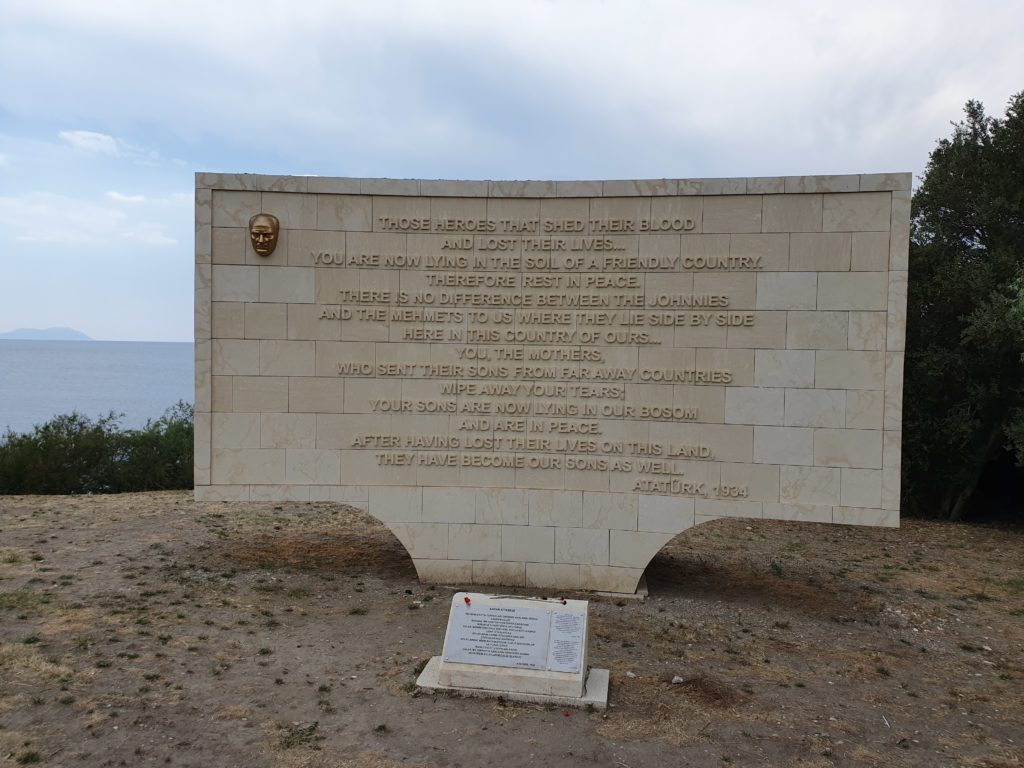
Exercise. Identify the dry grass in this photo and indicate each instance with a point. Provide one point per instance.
(13, 556)
(710, 692)
(234, 713)
(322, 552)
(21, 600)
(330, 758)
(148, 612)
(27, 665)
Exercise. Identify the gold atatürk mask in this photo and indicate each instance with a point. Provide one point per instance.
(263, 229)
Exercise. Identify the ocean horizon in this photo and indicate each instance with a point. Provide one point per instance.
(40, 379)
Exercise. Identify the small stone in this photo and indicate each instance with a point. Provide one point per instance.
(676, 680)
(631, 675)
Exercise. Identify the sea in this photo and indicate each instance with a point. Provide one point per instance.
(139, 379)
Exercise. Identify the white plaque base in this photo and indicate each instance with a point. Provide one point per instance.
(595, 689)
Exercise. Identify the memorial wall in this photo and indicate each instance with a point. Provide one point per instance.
(540, 383)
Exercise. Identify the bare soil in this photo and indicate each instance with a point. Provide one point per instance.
(148, 629)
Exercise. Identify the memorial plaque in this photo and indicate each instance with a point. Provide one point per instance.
(497, 635)
(529, 646)
(568, 635)
(509, 633)
(540, 383)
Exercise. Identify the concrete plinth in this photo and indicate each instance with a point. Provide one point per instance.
(595, 691)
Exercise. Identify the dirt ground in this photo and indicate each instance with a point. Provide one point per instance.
(148, 629)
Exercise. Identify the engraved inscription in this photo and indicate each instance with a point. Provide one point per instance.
(567, 636)
(552, 344)
(498, 636)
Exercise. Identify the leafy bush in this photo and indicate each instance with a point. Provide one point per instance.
(159, 455)
(74, 454)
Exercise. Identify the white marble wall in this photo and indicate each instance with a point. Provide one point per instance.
(808, 423)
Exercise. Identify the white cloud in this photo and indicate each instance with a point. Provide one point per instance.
(111, 146)
(470, 88)
(460, 89)
(148, 235)
(90, 141)
(138, 154)
(118, 197)
(49, 218)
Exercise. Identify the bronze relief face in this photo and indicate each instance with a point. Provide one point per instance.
(263, 232)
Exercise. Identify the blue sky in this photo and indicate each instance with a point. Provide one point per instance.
(107, 109)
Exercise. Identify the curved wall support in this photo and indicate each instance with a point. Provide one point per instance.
(565, 540)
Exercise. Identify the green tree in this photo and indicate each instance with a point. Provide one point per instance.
(964, 376)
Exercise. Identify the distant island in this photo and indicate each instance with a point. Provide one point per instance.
(45, 334)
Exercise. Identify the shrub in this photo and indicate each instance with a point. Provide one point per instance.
(160, 455)
(74, 454)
